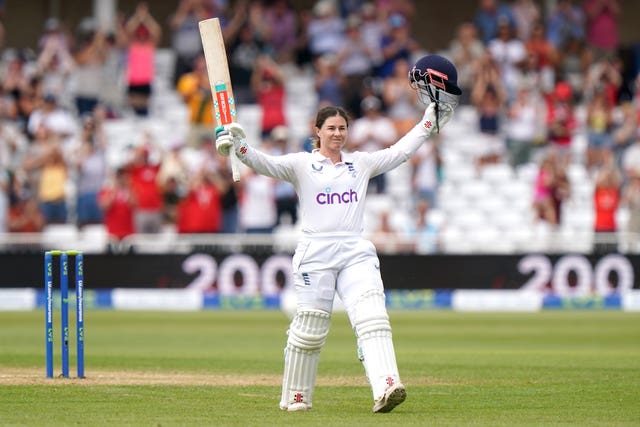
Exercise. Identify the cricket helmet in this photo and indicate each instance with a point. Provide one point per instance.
(435, 78)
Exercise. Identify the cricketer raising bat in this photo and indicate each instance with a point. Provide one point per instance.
(215, 55)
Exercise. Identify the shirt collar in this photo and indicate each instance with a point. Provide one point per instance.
(346, 157)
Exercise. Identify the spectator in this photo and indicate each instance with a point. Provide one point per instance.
(13, 145)
(325, 30)
(90, 55)
(384, 235)
(185, 35)
(28, 101)
(55, 65)
(173, 180)
(282, 29)
(52, 191)
(118, 203)
(604, 75)
(218, 169)
(25, 216)
(574, 60)
(228, 190)
(55, 36)
(15, 78)
(425, 176)
(372, 28)
(566, 21)
(200, 210)
(401, 100)
(466, 50)
(144, 183)
(396, 44)
(355, 62)
(90, 163)
(606, 199)
(488, 96)
(196, 93)
(267, 82)
(551, 189)
(373, 131)
(172, 195)
(602, 26)
(173, 166)
(509, 54)
(327, 80)
(526, 13)
(525, 127)
(302, 50)
(143, 34)
(542, 58)
(27, 175)
(599, 122)
(631, 159)
(257, 204)
(58, 121)
(625, 129)
(113, 94)
(244, 48)
(487, 17)
(420, 231)
(561, 120)
(285, 193)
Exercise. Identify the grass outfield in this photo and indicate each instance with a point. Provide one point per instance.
(215, 368)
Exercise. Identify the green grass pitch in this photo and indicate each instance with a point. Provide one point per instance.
(223, 368)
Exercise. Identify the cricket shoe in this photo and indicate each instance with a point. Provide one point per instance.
(296, 407)
(393, 396)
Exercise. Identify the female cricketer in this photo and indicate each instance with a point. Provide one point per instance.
(332, 256)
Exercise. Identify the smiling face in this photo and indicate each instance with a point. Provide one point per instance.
(332, 135)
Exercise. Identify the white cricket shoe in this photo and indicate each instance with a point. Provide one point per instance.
(296, 407)
(393, 396)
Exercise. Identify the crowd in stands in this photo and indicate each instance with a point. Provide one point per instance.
(535, 78)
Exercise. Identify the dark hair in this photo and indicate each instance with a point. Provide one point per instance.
(323, 114)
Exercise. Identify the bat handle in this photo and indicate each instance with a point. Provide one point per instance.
(235, 166)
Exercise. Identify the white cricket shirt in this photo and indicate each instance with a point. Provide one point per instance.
(332, 196)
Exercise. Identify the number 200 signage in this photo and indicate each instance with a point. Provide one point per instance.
(588, 279)
(568, 276)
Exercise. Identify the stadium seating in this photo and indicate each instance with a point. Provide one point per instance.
(479, 209)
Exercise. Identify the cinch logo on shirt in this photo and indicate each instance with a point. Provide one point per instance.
(329, 198)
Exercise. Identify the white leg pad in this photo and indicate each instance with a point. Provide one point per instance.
(307, 334)
(372, 327)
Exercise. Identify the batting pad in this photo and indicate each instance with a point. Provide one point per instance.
(307, 334)
(375, 345)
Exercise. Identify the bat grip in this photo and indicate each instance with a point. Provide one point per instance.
(235, 165)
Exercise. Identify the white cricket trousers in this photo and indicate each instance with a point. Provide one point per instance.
(322, 266)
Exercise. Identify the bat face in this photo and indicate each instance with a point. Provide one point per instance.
(215, 55)
(223, 103)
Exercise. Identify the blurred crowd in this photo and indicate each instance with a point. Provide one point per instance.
(535, 78)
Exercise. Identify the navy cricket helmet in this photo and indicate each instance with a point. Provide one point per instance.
(436, 80)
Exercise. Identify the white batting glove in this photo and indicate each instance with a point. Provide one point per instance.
(431, 122)
(228, 137)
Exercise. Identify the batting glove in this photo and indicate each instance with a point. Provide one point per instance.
(435, 117)
(228, 137)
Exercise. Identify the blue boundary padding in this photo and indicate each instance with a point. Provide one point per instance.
(418, 299)
(396, 300)
(240, 302)
(554, 302)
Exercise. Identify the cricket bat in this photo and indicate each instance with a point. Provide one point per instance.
(215, 55)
